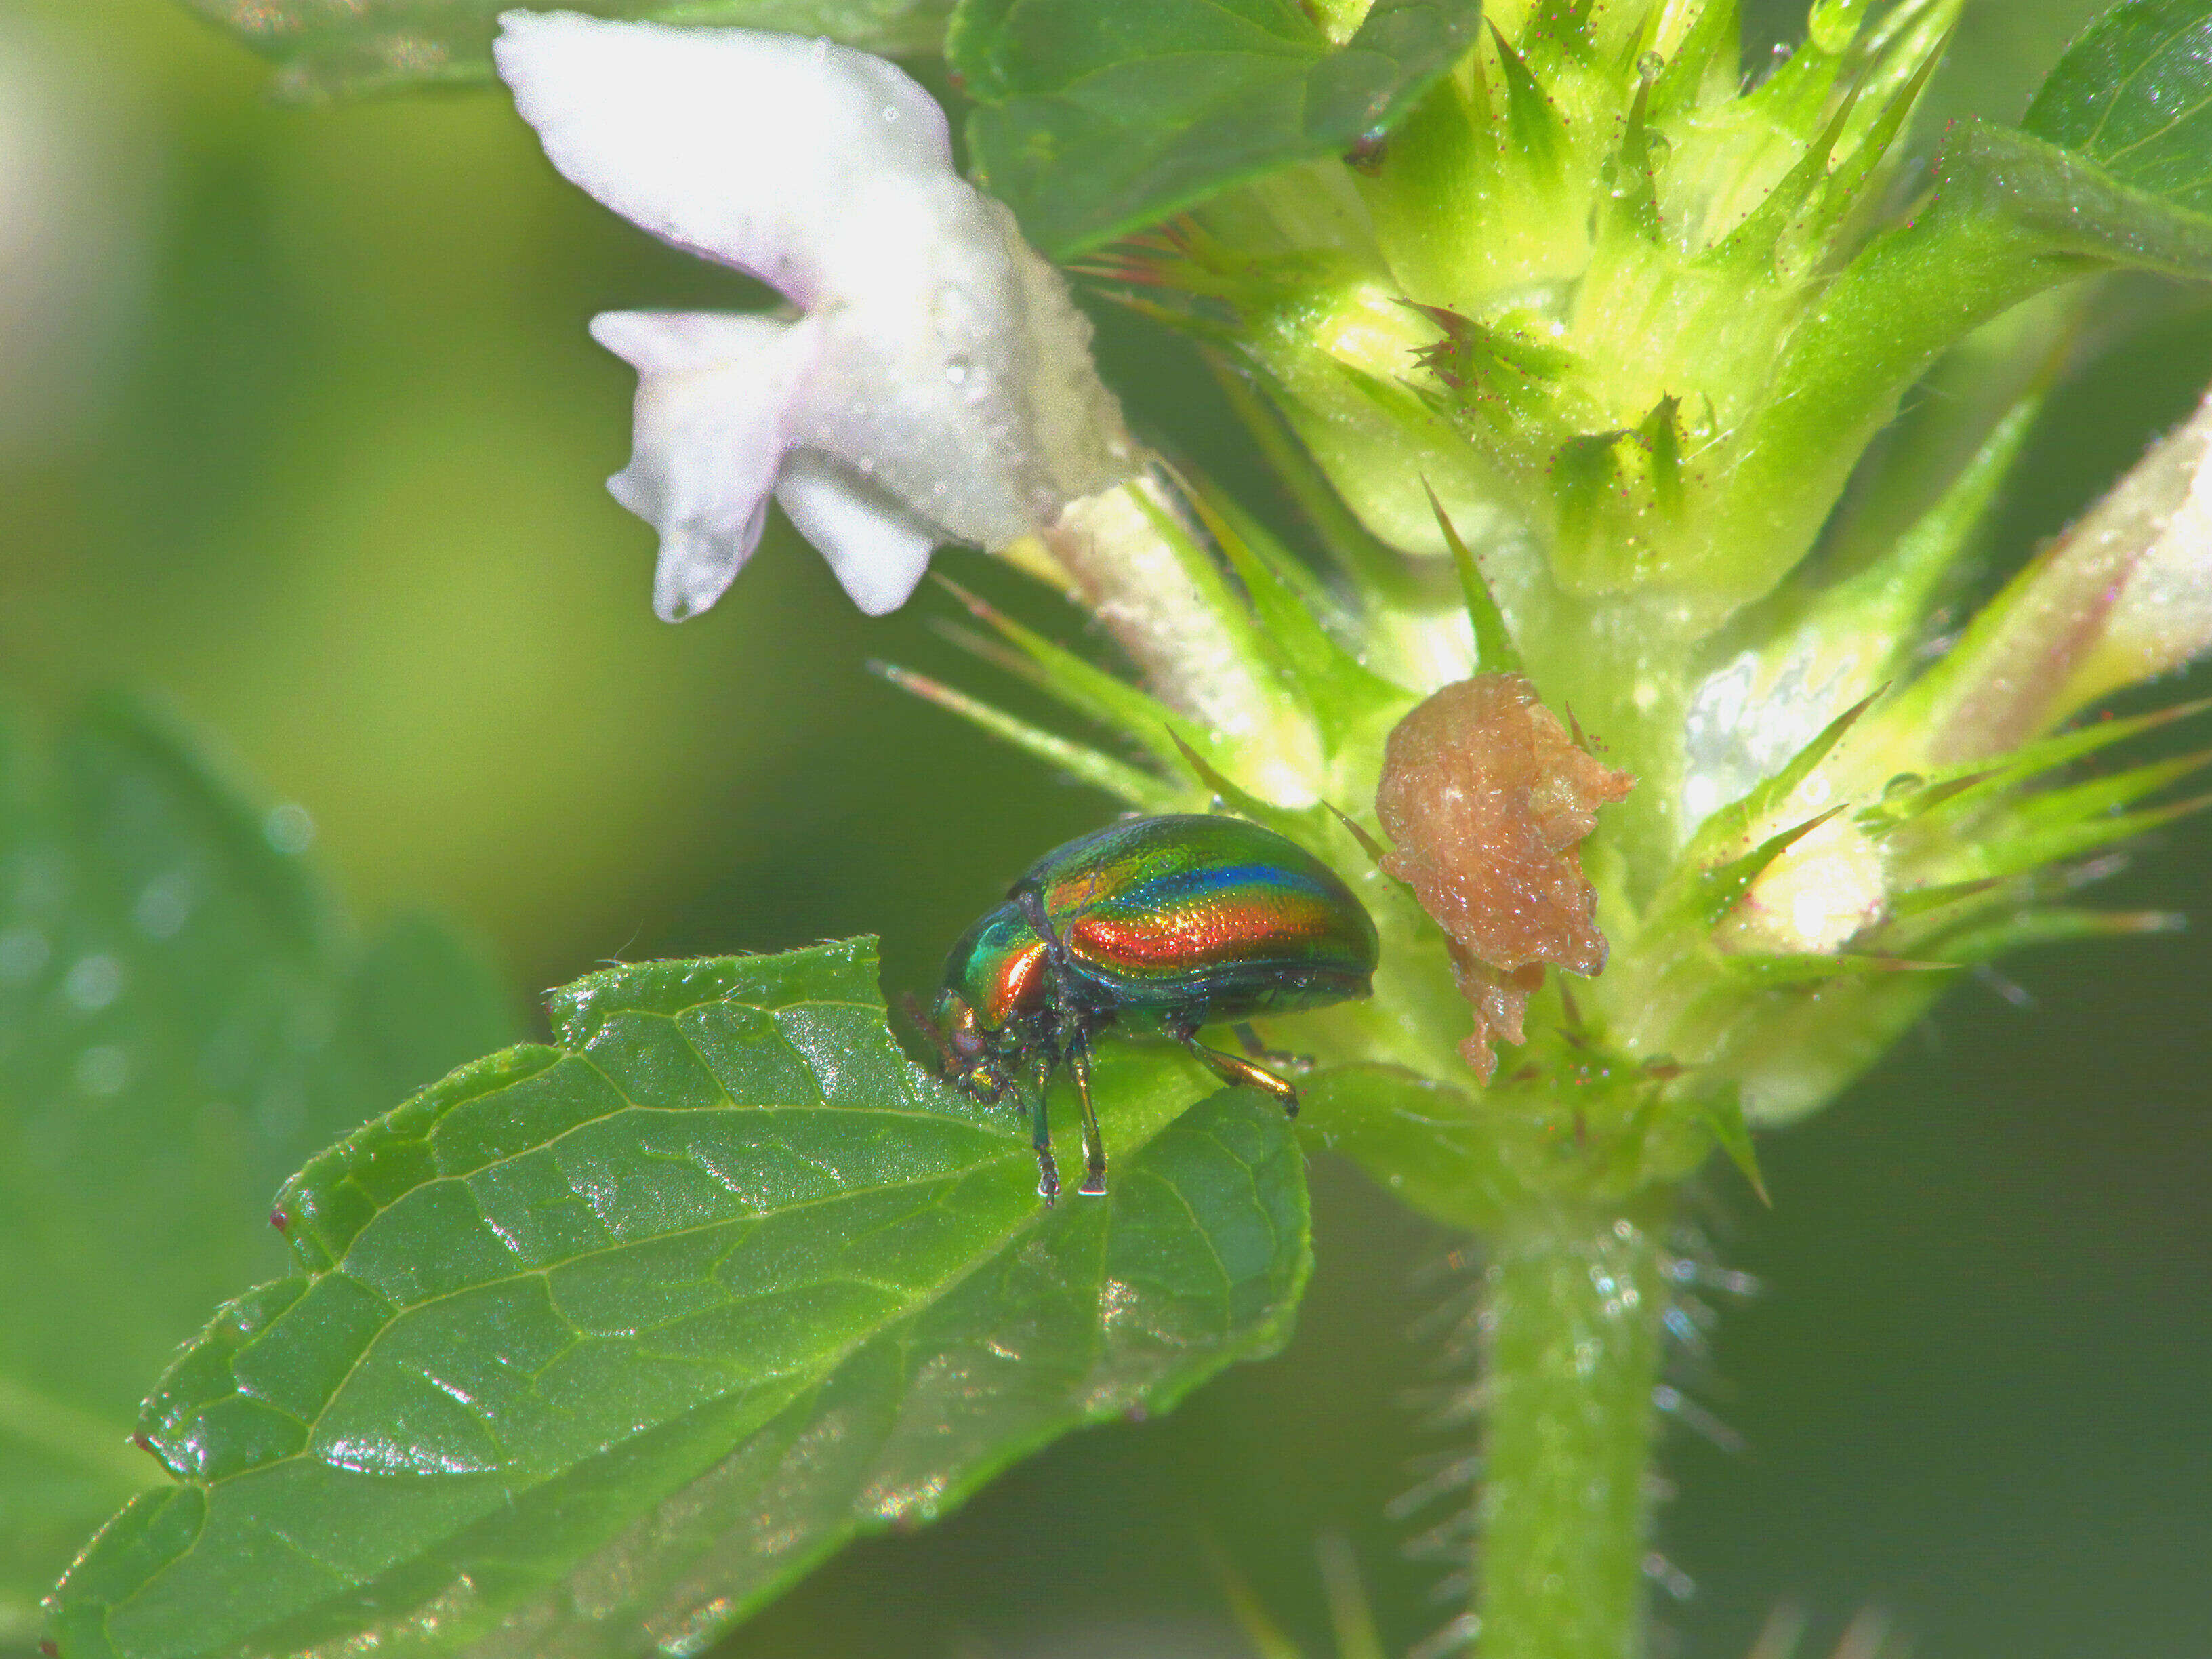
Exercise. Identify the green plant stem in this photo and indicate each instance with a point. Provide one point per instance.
(1572, 1301)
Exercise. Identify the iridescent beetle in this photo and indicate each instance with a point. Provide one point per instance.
(1161, 923)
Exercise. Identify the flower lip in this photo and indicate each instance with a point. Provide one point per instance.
(938, 386)
(755, 150)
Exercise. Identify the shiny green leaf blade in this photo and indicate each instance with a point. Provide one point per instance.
(2112, 163)
(184, 1017)
(2112, 171)
(329, 48)
(599, 1344)
(1097, 120)
(2134, 95)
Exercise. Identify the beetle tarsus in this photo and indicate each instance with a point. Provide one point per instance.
(1048, 1175)
(1248, 1041)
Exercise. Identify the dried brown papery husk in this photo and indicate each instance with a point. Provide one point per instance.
(1486, 796)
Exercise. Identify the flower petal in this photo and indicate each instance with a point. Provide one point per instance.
(713, 404)
(945, 384)
(878, 550)
(959, 378)
(760, 150)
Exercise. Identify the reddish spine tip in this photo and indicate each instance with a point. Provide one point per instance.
(279, 1220)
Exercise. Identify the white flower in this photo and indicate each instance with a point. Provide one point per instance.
(936, 385)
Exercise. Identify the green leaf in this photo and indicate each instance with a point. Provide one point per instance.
(184, 1018)
(326, 48)
(2134, 95)
(1097, 120)
(2061, 206)
(2112, 167)
(2113, 172)
(597, 1346)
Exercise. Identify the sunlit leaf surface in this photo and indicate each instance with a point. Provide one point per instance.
(183, 1019)
(2113, 162)
(326, 47)
(2111, 171)
(2134, 95)
(596, 1346)
(1098, 119)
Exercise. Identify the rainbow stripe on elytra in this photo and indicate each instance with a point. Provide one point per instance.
(1161, 913)
(1169, 923)
(1194, 919)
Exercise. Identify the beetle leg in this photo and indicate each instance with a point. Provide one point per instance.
(1041, 1138)
(1094, 1143)
(1239, 1073)
(1248, 1041)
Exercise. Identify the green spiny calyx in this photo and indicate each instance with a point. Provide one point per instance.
(1570, 372)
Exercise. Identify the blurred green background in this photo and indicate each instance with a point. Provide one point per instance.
(300, 432)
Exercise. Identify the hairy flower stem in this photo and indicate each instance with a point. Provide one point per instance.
(1573, 1297)
(1132, 558)
(1128, 567)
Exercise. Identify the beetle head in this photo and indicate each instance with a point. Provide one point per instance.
(970, 1049)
